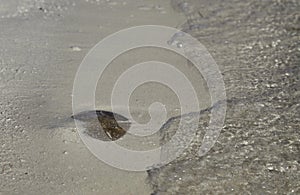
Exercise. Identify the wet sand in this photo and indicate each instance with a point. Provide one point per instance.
(42, 45)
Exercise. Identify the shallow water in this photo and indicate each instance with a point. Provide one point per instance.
(256, 45)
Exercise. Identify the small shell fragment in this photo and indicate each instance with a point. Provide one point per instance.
(103, 125)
